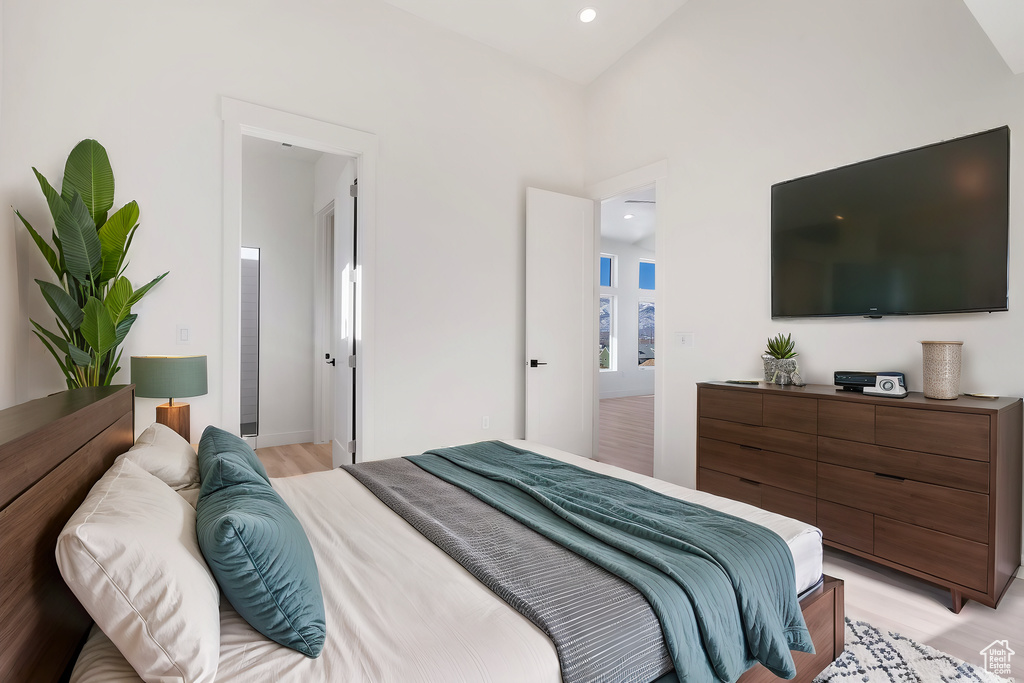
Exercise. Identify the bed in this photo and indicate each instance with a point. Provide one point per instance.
(456, 628)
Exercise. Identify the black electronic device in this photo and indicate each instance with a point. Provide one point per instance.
(917, 232)
(853, 380)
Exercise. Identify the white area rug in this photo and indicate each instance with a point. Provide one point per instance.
(875, 656)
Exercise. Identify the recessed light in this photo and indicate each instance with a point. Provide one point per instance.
(587, 14)
(628, 216)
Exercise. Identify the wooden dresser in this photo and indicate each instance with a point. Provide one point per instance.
(929, 487)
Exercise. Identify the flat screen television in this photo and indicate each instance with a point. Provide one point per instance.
(917, 232)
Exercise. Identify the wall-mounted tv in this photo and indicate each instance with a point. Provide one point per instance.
(917, 232)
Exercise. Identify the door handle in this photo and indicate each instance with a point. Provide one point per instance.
(330, 361)
(534, 363)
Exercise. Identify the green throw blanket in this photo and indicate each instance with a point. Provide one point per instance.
(723, 588)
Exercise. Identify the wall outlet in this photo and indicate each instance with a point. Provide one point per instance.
(485, 422)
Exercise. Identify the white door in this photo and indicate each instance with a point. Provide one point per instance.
(323, 325)
(345, 299)
(561, 321)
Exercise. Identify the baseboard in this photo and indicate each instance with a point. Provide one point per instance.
(283, 439)
(625, 394)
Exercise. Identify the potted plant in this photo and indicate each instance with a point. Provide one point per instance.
(780, 366)
(92, 299)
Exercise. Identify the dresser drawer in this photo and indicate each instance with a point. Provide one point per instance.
(949, 557)
(775, 469)
(953, 511)
(970, 475)
(765, 438)
(845, 420)
(771, 498)
(729, 486)
(734, 406)
(790, 504)
(845, 525)
(962, 435)
(788, 412)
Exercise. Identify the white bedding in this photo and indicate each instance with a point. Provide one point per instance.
(398, 608)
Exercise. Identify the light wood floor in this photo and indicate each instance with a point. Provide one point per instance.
(299, 458)
(875, 594)
(626, 433)
(893, 601)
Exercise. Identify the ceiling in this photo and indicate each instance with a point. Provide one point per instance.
(1003, 21)
(548, 34)
(638, 230)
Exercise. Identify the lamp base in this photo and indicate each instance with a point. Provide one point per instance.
(176, 417)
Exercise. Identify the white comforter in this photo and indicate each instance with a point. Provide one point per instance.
(398, 608)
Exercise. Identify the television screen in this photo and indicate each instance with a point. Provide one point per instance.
(922, 231)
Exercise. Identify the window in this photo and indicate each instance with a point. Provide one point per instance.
(607, 266)
(645, 329)
(647, 275)
(606, 340)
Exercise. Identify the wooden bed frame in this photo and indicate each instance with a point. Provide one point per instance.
(52, 450)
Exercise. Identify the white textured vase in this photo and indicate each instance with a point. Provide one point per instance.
(941, 368)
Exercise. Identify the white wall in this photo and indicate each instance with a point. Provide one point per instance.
(327, 173)
(740, 94)
(629, 379)
(277, 218)
(463, 129)
(10, 311)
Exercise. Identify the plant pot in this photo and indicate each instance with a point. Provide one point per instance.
(781, 370)
(941, 368)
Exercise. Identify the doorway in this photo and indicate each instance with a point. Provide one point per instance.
(241, 120)
(627, 349)
(292, 330)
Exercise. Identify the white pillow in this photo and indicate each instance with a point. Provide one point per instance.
(163, 453)
(131, 557)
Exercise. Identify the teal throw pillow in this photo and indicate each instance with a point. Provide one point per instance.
(217, 443)
(261, 557)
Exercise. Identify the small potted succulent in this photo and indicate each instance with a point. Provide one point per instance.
(780, 365)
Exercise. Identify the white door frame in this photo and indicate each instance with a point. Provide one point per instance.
(242, 118)
(654, 174)
(323, 317)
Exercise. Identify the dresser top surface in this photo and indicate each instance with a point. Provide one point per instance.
(914, 399)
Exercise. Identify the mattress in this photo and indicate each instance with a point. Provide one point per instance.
(398, 608)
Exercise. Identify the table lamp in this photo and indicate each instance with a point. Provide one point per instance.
(169, 377)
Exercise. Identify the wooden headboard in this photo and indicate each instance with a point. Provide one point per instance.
(52, 450)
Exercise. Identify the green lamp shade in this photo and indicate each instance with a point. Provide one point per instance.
(169, 376)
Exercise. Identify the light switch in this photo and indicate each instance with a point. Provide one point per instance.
(183, 335)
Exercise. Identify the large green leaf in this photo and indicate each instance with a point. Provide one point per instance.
(122, 329)
(83, 254)
(88, 173)
(48, 253)
(112, 368)
(97, 327)
(117, 299)
(112, 238)
(62, 303)
(78, 356)
(141, 291)
(53, 198)
(58, 341)
(60, 361)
